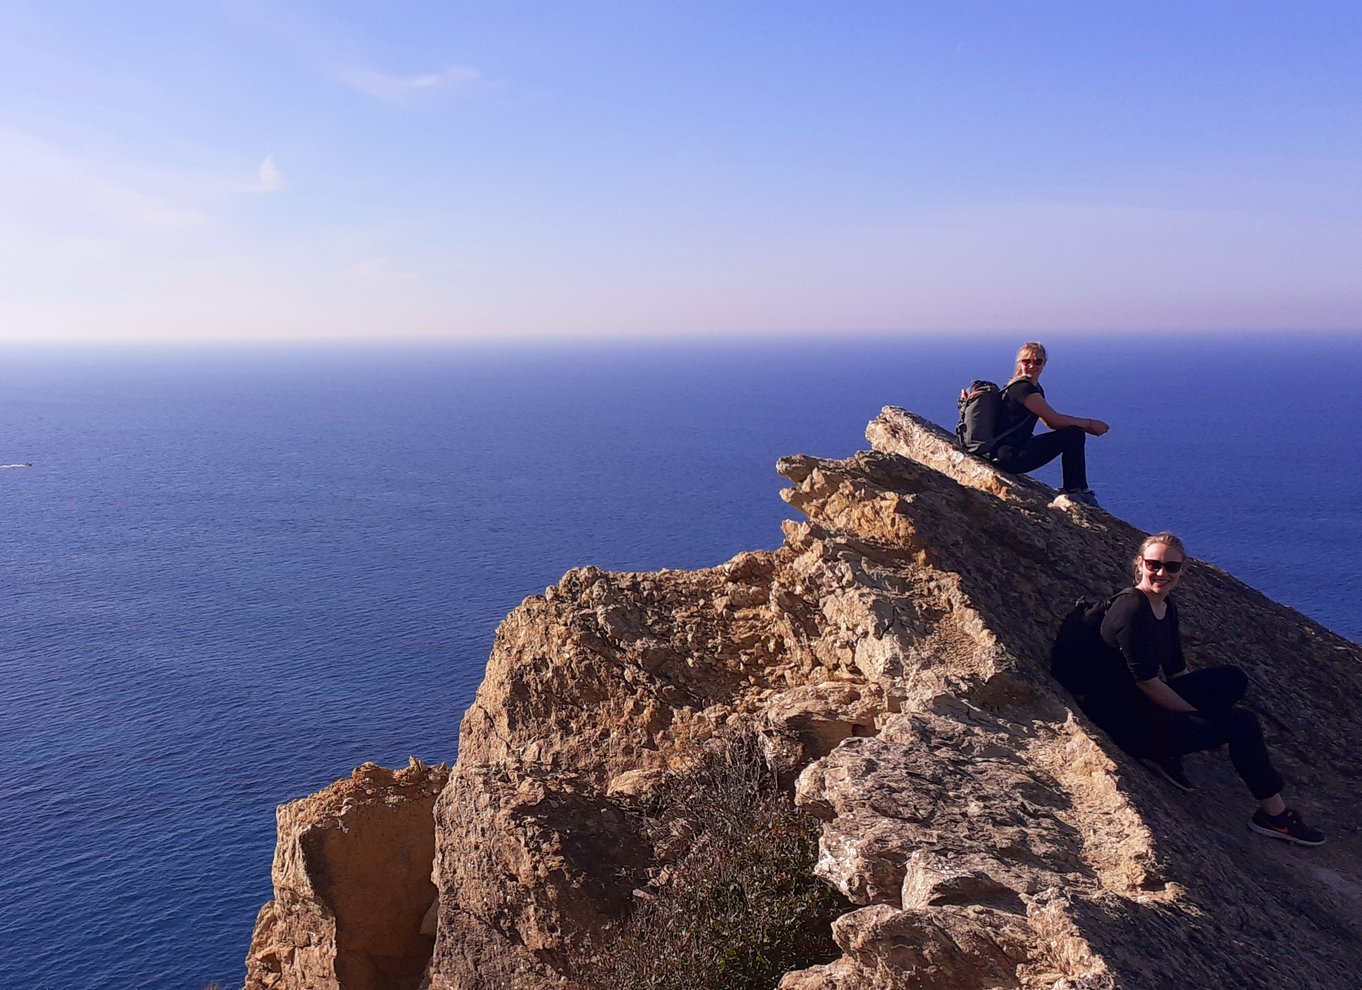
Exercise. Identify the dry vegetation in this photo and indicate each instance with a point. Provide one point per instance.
(738, 904)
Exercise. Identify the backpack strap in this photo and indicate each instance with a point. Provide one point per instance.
(1024, 421)
(998, 440)
(1129, 589)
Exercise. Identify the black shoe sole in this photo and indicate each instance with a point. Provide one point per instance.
(1182, 785)
(1272, 833)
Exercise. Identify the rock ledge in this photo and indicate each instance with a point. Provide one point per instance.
(892, 651)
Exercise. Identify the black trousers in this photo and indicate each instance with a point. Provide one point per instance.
(1143, 729)
(1066, 443)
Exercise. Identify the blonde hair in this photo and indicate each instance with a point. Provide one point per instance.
(1030, 347)
(1167, 539)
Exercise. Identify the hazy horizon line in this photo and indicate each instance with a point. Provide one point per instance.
(699, 338)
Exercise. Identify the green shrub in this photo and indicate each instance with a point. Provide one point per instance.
(738, 904)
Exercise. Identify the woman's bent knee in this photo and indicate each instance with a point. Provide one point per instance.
(1072, 437)
(1240, 723)
(1212, 689)
(1235, 681)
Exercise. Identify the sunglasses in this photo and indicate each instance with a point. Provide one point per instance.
(1032, 361)
(1171, 566)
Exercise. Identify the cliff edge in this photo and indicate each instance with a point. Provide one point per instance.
(891, 655)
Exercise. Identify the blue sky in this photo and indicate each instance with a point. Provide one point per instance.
(246, 170)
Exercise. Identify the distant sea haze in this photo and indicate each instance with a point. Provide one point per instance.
(233, 577)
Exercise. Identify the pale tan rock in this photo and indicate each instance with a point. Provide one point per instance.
(941, 949)
(635, 787)
(891, 654)
(898, 431)
(351, 885)
(529, 862)
(865, 857)
(819, 716)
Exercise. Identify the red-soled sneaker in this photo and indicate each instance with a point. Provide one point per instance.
(1288, 826)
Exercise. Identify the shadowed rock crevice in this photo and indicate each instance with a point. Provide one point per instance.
(352, 885)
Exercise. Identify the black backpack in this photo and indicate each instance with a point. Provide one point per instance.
(1081, 660)
(981, 429)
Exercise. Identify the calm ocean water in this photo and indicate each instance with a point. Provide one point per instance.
(233, 577)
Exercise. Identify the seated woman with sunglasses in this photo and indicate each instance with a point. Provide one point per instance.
(1162, 718)
(1023, 404)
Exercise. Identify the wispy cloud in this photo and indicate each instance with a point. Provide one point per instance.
(381, 271)
(54, 189)
(346, 57)
(457, 80)
(268, 177)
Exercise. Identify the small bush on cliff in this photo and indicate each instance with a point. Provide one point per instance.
(738, 904)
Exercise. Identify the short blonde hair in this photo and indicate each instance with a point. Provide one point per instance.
(1033, 347)
(1167, 539)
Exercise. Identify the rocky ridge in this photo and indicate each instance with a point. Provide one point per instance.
(892, 654)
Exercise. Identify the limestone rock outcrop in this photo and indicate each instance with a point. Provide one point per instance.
(892, 653)
(352, 887)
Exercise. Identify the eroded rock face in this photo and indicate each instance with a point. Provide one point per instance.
(892, 652)
(352, 885)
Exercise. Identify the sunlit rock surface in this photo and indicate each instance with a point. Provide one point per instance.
(893, 653)
(352, 885)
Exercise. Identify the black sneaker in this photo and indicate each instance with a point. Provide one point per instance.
(1288, 826)
(1084, 496)
(1170, 769)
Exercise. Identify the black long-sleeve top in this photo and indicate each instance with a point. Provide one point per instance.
(1147, 644)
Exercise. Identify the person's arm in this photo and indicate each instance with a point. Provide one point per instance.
(1163, 695)
(1055, 420)
(1128, 626)
(1176, 666)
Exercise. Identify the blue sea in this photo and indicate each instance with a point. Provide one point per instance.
(231, 576)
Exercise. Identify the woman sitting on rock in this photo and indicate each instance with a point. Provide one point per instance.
(1161, 712)
(1023, 404)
